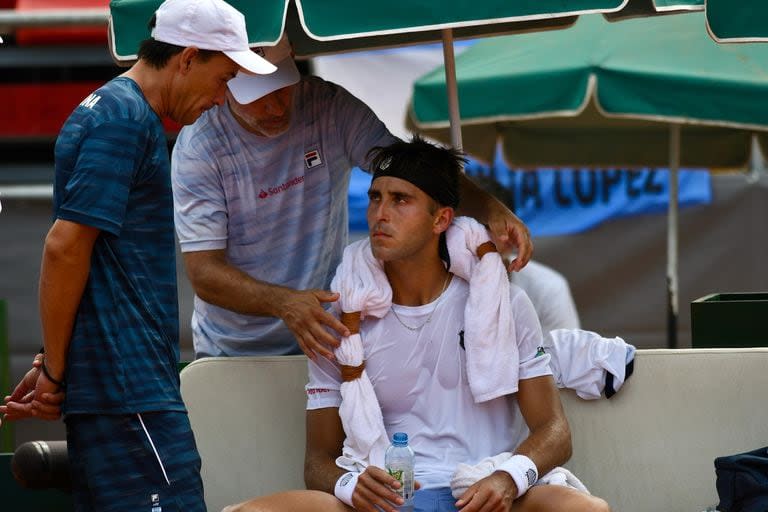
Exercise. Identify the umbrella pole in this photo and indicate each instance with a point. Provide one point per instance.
(672, 281)
(452, 88)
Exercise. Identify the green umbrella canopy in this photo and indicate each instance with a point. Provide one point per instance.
(602, 94)
(737, 21)
(330, 26)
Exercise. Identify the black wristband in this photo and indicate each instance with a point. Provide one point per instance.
(48, 376)
(41, 351)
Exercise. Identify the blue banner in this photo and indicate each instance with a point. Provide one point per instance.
(563, 201)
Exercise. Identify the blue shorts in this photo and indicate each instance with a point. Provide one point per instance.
(434, 500)
(144, 462)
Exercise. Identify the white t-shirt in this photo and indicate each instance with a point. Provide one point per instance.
(550, 294)
(420, 380)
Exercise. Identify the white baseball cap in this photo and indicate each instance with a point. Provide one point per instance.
(247, 88)
(208, 25)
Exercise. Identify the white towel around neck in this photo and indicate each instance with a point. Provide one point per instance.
(492, 356)
(363, 287)
(489, 326)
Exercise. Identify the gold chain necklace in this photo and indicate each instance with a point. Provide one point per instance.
(429, 318)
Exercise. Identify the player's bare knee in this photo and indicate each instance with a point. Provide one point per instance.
(246, 506)
(595, 504)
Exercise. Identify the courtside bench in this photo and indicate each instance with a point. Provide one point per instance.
(649, 448)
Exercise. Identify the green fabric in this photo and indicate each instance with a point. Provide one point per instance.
(335, 18)
(130, 19)
(662, 5)
(738, 20)
(646, 70)
(338, 25)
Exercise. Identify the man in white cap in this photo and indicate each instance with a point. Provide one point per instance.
(108, 298)
(260, 194)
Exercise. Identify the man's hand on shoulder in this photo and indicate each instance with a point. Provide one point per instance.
(374, 489)
(303, 313)
(494, 493)
(508, 232)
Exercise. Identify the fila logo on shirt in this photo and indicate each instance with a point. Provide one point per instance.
(90, 101)
(155, 498)
(312, 158)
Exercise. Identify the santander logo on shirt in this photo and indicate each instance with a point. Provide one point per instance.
(271, 191)
(312, 158)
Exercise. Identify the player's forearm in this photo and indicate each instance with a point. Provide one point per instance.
(228, 287)
(548, 445)
(477, 203)
(321, 473)
(63, 276)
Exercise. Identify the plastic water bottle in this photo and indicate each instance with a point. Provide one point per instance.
(398, 461)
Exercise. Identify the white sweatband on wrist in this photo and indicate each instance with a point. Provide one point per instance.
(522, 470)
(345, 486)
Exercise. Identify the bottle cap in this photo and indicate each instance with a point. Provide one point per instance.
(400, 438)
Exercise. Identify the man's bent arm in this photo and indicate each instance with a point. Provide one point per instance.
(325, 440)
(373, 491)
(507, 230)
(63, 275)
(218, 282)
(548, 445)
(549, 442)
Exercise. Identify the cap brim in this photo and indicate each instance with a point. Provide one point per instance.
(251, 62)
(249, 88)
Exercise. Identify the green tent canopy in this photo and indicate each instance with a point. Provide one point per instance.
(737, 21)
(330, 26)
(317, 27)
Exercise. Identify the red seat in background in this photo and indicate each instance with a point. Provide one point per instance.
(38, 108)
(59, 35)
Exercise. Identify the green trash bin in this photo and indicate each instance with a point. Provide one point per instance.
(728, 320)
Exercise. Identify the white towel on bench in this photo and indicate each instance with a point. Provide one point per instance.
(581, 360)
